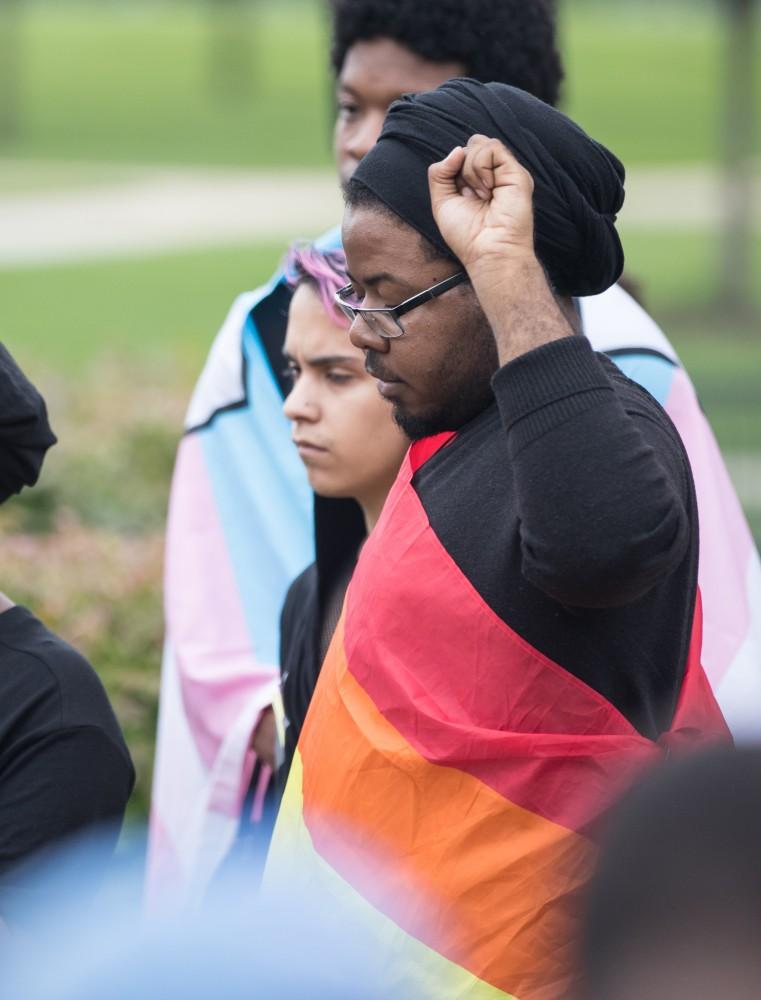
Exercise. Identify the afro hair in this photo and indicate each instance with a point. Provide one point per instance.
(508, 41)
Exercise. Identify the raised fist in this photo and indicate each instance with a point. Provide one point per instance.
(482, 203)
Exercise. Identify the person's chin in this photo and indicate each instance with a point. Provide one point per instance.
(418, 425)
(449, 415)
(327, 486)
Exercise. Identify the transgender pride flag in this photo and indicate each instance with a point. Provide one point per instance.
(729, 571)
(239, 531)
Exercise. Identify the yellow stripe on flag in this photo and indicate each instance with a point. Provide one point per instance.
(296, 870)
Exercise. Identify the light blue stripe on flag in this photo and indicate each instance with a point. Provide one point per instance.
(651, 371)
(264, 499)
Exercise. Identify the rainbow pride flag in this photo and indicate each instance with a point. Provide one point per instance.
(449, 776)
(240, 530)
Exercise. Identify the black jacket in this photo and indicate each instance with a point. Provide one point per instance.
(25, 433)
(64, 765)
(339, 532)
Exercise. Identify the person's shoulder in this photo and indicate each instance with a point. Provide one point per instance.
(631, 388)
(38, 664)
(633, 393)
(648, 411)
(649, 369)
(303, 589)
(25, 675)
(298, 612)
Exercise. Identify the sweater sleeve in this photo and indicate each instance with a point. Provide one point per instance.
(601, 479)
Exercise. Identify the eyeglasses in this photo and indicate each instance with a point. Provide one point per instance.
(385, 321)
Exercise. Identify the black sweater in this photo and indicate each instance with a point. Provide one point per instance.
(339, 531)
(569, 506)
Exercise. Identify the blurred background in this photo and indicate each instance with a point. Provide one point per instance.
(155, 158)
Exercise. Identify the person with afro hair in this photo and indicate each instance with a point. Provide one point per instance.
(492, 39)
(240, 522)
(382, 48)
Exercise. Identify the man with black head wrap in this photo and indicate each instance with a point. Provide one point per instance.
(260, 534)
(578, 184)
(64, 765)
(522, 632)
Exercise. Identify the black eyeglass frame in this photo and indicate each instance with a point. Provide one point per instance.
(395, 312)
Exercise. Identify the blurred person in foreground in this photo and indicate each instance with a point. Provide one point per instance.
(674, 909)
(240, 526)
(522, 632)
(64, 765)
(352, 451)
(88, 938)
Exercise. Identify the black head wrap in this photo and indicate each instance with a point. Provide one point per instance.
(578, 183)
(25, 433)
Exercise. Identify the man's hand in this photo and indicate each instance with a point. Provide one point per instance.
(264, 740)
(482, 203)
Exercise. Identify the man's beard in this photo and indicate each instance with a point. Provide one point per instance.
(448, 416)
(464, 385)
(459, 388)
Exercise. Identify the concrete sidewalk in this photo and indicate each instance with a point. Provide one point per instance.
(153, 210)
(164, 210)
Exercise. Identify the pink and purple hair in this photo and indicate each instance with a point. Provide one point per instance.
(324, 270)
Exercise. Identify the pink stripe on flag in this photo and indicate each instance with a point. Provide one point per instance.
(725, 540)
(217, 668)
(163, 869)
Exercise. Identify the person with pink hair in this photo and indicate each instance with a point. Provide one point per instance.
(351, 449)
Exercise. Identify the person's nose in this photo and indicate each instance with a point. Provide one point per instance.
(361, 139)
(299, 404)
(366, 339)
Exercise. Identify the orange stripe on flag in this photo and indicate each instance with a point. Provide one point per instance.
(395, 963)
(486, 883)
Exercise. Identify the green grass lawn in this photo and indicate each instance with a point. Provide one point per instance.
(645, 76)
(132, 81)
(678, 269)
(163, 309)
